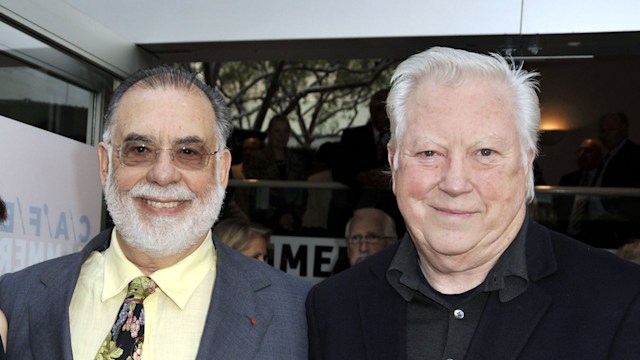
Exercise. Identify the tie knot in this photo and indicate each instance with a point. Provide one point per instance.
(140, 288)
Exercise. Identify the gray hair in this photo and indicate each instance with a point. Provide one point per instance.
(450, 67)
(388, 225)
(166, 77)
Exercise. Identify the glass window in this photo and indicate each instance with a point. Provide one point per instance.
(47, 88)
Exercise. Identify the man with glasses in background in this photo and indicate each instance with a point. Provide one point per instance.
(159, 278)
(369, 231)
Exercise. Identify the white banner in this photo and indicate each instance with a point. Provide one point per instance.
(308, 257)
(52, 190)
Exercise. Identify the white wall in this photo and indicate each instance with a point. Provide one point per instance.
(53, 194)
(106, 32)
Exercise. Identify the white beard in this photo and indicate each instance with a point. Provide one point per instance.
(161, 236)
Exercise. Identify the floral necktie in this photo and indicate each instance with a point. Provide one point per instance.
(124, 341)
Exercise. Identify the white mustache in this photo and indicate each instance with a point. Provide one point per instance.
(168, 193)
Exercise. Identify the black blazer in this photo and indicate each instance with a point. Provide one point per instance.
(358, 153)
(581, 303)
(623, 169)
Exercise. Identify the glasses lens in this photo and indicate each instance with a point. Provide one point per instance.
(133, 153)
(372, 238)
(137, 153)
(191, 156)
(354, 239)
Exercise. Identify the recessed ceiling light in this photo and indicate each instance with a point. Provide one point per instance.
(574, 43)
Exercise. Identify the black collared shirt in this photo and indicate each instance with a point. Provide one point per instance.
(441, 326)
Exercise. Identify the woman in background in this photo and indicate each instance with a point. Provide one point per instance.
(248, 238)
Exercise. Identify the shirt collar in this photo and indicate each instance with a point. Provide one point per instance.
(509, 276)
(119, 271)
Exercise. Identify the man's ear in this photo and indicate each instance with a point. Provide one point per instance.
(532, 157)
(391, 159)
(103, 158)
(223, 168)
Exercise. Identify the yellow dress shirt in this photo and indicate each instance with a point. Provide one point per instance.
(175, 313)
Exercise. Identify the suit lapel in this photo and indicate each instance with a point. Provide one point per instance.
(383, 316)
(49, 320)
(506, 327)
(237, 318)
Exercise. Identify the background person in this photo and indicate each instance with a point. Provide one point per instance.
(168, 283)
(573, 211)
(249, 239)
(250, 145)
(617, 217)
(278, 161)
(474, 277)
(362, 166)
(368, 232)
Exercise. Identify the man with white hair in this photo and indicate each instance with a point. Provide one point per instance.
(474, 277)
(159, 278)
(368, 232)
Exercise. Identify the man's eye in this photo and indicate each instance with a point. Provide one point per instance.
(486, 152)
(429, 153)
(136, 149)
(191, 152)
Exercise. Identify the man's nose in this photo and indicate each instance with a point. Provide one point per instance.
(363, 246)
(163, 171)
(455, 176)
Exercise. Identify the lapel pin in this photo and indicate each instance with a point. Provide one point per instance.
(253, 321)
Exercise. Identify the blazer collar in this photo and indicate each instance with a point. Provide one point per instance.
(516, 319)
(237, 318)
(58, 283)
(382, 310)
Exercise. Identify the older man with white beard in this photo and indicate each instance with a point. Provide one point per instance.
(158, 285)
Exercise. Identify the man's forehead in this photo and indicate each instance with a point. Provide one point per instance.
(164, 113)
(371, 221)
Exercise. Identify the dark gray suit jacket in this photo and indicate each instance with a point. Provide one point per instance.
(581, 303)
(36, 302)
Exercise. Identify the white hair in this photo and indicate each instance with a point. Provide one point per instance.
(450, 67)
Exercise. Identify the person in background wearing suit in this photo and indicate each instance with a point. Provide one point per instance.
(164, 168)
(365, 149)
(363, 164)
(621, 167)
(572, 211)
(3, 318)
(617, 216)
(474, 277)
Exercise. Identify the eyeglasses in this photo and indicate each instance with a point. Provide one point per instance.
(369, 239)
(187, 157)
